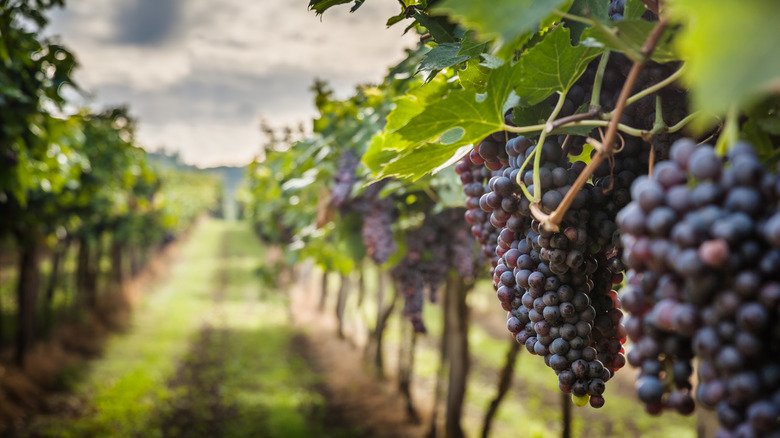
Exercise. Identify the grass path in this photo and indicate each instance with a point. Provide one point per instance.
(209, 354)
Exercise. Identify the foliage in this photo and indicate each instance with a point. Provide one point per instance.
(528, 59)
(491, 69)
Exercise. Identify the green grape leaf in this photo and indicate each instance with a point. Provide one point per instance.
(473, 76)
(633, 9)
(415, 163)
(507, 19)
(442, 56)
(629, 36)
(384, 148)
(415, 101)
(552, 65)
(476, 115)
(471, 47)
(406, 107)
(731, 51)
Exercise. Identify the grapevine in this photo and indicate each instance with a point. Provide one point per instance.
(613, 232)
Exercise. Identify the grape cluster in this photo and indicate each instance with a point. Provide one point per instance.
(474, 177)
(702, 241)
(345, 178)
(377, 230)
(553, 282)
(378, 215)
(558, 295)
(443, 242)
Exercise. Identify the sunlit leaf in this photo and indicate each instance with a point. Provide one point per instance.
(477, 115)
(507, 19)
(552, 65)
(731, 51)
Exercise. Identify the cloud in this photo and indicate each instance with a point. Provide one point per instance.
(215, 144)
(147, 22)
(215, 68)
(204, 96)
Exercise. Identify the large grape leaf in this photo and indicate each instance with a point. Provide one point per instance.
(415, 163)
(473, 76)
(731, 50)
(463, 116)
(507, 19)
(415, 101)
(423, 132)
(552, 65)
(384, 148)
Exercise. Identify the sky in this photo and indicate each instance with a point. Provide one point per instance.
(200, 77)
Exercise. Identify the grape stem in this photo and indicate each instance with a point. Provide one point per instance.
(595, 96)
(681, 124)
(659, 125)
(622, 127)
(573, 121)
(540, 145)
(564, 121)
(552, 222)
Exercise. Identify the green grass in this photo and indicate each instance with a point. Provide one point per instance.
(266, 387)
(129, 380)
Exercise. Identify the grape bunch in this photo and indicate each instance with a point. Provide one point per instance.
(474, 178)
(377, 231)
(443, 242)
(378, 215)
(377, 212)
(559, 299)
(345, 178)
(702, 241)
(559, 288)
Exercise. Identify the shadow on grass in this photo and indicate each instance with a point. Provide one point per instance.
(246, 383)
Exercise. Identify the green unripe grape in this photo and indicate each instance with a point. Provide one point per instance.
(580, 401)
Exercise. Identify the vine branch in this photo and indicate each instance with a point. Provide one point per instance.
(552, 222)
(564, 121)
